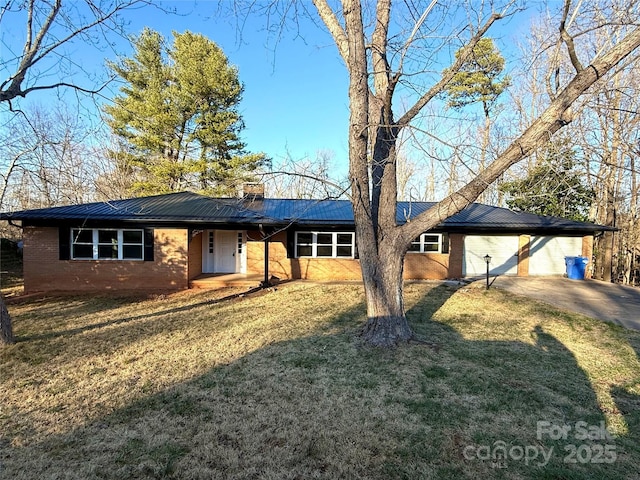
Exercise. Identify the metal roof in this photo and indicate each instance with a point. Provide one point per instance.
(173, 207)
(191, 208)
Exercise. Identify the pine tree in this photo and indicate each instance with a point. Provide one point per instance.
(552, 187)
(478, 78)
(177, 117)
(478, 81)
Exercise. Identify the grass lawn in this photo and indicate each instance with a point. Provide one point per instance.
(276, 386)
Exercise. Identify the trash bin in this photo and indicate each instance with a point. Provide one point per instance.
(576, 267)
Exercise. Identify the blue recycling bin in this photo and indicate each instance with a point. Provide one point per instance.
(576, 267)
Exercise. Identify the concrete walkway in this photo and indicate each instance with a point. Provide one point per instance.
(606, 301)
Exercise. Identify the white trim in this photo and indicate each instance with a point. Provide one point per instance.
(208, 245)
(241, 252)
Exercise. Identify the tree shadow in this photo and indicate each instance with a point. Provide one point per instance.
(160, 316)
(627, 397)
(89, 307)
(322, 405)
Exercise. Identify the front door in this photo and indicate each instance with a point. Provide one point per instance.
(219, 251)
(225, 251)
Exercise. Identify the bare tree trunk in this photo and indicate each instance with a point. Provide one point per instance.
(632, 226)
(387, 324)
(613, 192)
(607, 250)
(6, 329)
(485, 197)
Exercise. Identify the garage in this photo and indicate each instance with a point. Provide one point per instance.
(503, 250)
(546, 254)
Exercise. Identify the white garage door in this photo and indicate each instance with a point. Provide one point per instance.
(546, 254)
(502, 249)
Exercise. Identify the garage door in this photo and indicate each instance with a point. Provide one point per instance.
(546, 254)
(502, 249)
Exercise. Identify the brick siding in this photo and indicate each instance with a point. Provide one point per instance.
(523, 255)
(44, 271)
(417, 266)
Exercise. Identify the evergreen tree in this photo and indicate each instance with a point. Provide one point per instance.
(177, 117)
(553, 187)
(478, 78)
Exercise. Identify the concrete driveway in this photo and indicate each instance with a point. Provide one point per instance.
(606, 301)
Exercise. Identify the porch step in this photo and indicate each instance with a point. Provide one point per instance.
(227, 280)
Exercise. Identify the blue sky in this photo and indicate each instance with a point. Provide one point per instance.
(295, 100)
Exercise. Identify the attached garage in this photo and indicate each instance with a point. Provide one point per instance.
(546, 253)
(503, 250)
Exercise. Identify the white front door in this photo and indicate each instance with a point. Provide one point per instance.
(221, 250)
(225, 251)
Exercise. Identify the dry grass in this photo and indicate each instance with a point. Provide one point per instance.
(277, 386)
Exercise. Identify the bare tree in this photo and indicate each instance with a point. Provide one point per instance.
(382, 56)
(614, 178)
(605, 133)
(114, 176)
(304, 178)
(52, 160)
(50, 26)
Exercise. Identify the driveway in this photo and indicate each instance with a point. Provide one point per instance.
(606, 301)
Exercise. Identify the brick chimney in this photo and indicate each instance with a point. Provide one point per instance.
(253, 191)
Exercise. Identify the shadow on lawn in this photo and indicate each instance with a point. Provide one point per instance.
(628, 402)
(88, 307)
(323, 406)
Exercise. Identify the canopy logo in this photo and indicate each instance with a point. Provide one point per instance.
(596, 446)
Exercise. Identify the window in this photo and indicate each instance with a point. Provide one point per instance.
(325, 244)
(107, 244)
(240, 243)
(430, 243)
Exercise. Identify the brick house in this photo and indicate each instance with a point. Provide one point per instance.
(168, 242)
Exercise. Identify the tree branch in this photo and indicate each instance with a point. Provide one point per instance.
(551, 120)
(33, 50)
(24, 93)
(414, 31)
(448, 75)
(29, 52)
(323, 181)
(568, 39)
(335, 29)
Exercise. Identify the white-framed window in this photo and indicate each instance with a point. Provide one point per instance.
(107, 244)
(430, 243)
(325, 244)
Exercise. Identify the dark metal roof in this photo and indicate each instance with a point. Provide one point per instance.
(173, 207)
(191, 208)
(496, 218)
(305, 211)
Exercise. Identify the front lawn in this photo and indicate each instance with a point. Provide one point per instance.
(277, 386)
